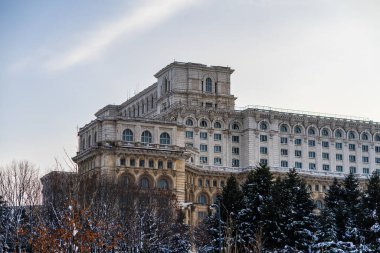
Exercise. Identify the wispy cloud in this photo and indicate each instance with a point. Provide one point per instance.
(144, 17)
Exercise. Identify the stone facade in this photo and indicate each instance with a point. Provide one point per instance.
(184, 133)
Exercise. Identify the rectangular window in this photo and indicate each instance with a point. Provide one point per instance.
(263, 161)
(218, 137)
(189, 145)
(189, 134)
(132, 162)
(284, 164)
(297, 142)
(325, 144)
(338, 145)
(311, 143)
(339, 168)
(365, 170)
(235, 163)
(207, 183)
(339, 157)
(365, 159)
(202, 215)
(311, 154)
(217, 161)
(217, 149)
(316, 187)
(312, 166)
(200, 183)
(377, 149)
(142, 163)
(203, 135)
(298, 165)
(377, 159)
(214, 183)
(284, 152)
(122, 161)
(263, 138)
(297, 153)
(208, 105)
(351, 147)
(235, 150)
(326, 167)
(352, 158)
(203, 160)
(325, 156)
(235, 138)
(263, 150)
(284, 140)
(365, 148)
(203, 148)
(352, 169)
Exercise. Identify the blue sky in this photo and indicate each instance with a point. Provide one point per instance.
(61, 61)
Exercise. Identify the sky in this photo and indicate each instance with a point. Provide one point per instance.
(61, 61)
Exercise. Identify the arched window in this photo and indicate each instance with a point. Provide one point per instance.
(297, 130)
(263, 126)
(163, 184)
(151, 163)
(325, 132)
(208, 84)
(311, 131)
(146, 137)
(160, 164)
(377, 137)
(127, 135)
(338, 134)
(319, 204)
(189, 122)
(284, 128)
(125, 181)
(202, 199)
(165, 139)
(217, 124)
(169, 164)
(365, 136)
(203, 123)
(235, 126)
(144, 183)
(351, 135)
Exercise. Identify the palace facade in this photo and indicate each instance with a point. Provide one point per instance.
(184, 133)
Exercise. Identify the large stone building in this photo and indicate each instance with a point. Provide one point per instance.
(184, 133)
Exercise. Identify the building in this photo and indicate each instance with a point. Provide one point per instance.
(184, 133)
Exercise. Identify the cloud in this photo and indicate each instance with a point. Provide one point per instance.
(143, 18)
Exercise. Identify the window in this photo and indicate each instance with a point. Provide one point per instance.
(326, 167)
(217, 137)
(325, 144)
(365, 148)
(284, 140)
(189, 145)
(319, 204)
(339, 168)
(284, 128)
(338, 134)
(365, 137)
(203, 159)
(222, 183)
(144, 183)
(297, 142)
(217, 149)
(217, 124)
(202, 215)
(208, 105)
(200, 182)
(208, 84)
(235, 126)
(312, 166)
(338, 145)
(202, 199)
(189, 134)
(132, 162)
(339, 157)
(214, 183)
(351, 147)
(169, 164)
(160, 164)
(203, 123)
(203, 148)
(235, 150)
(298, 165)
(311, 131)
(325, 156)
(297, 130)
(125, 180)
(316, 187)
(122, 161)
(284, 164)
(151, 163)
(164, 139)
(365, 170)
(142, 163)
(207, 183)
(377, 137)
(189, 122)
(284, 152)
(235, 138)
(218, 161)
(377, 159)
(263, 138)
(325, 132)
(163, 184)
(377, 149)
(146, 137)
(351, 135)
(311, 154)
(297, 153)
(263, 161)
(352, 169)
(311, 143)
(127, 135)
(263, 150)
(365, 159)
(203, 135)
(263, 126)
(235, 163)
